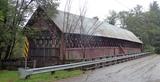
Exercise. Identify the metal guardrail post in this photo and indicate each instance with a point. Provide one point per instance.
(25, 73)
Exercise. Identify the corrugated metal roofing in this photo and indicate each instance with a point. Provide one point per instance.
(91, 26)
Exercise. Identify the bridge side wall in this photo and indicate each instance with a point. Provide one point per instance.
(78, 48)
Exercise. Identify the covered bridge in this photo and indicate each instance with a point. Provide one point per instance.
(69, 37)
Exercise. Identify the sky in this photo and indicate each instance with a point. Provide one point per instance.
(101, 8)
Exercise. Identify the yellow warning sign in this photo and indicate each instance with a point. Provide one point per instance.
(26, 47)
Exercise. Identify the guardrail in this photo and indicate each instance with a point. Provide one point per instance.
(24, 73)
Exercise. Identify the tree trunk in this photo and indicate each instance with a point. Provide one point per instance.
(12, 46)
(7, 52)
(1, 54)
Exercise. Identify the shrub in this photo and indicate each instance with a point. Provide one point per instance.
(157, 50)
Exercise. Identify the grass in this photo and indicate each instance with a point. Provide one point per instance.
(12, 76)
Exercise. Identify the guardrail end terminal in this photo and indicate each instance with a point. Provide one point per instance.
(23, 73)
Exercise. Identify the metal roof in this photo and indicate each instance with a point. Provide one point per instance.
(71, 23)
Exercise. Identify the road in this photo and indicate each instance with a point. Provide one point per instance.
(145, 69)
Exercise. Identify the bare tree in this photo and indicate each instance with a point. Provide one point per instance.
(79, 24)
(84, 27)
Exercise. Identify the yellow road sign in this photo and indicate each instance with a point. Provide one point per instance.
(26, 48)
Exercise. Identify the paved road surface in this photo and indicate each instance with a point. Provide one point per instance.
(145, 69)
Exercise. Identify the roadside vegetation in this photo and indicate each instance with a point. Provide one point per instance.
(144, 24)
(12, 76)
(13, 17)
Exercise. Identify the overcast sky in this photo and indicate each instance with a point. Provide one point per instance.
(101, 8)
